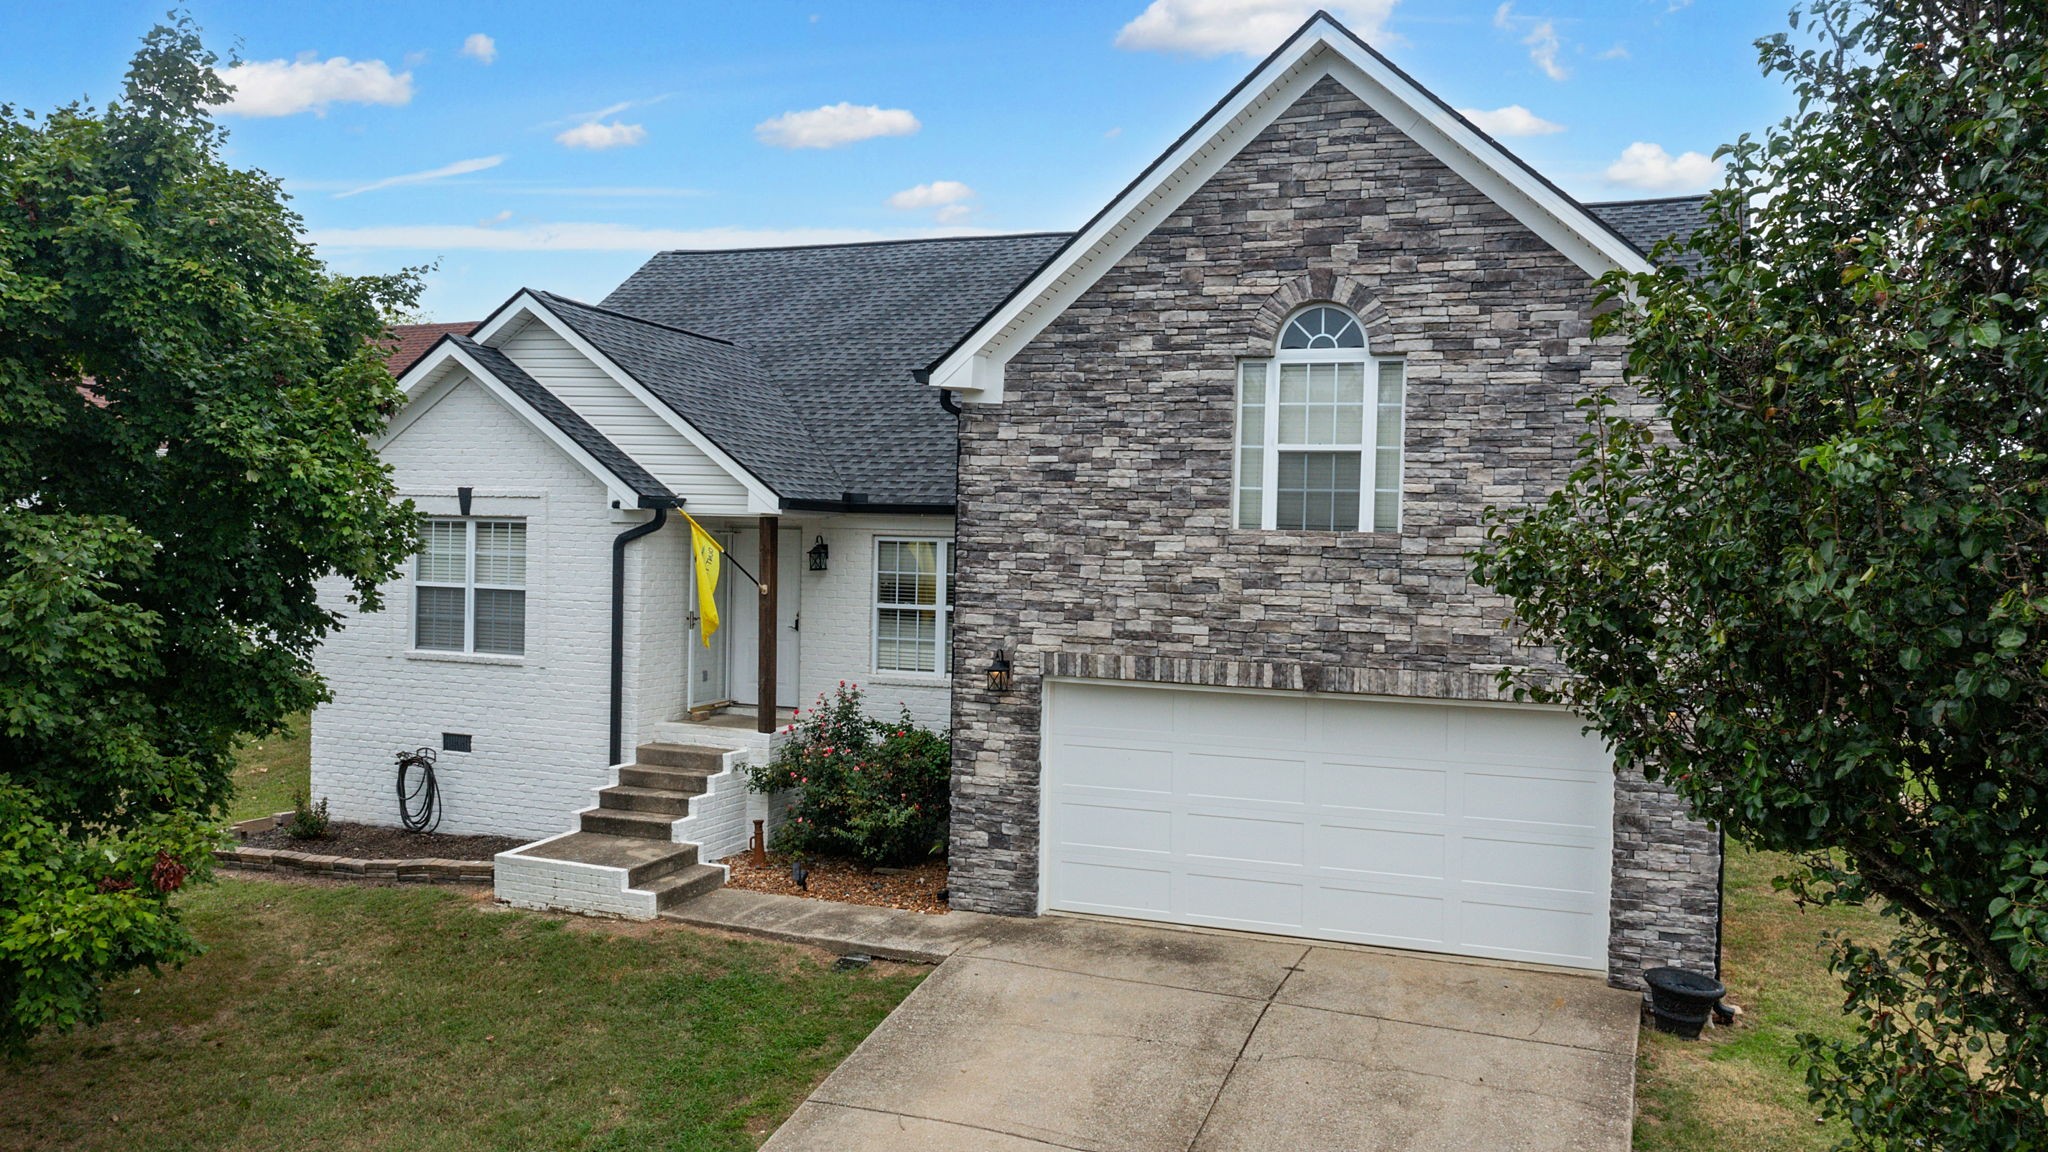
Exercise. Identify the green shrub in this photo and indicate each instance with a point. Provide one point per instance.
(309, 821)
(875, 791)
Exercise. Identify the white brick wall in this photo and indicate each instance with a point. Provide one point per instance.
(540, 722)
(839, 617)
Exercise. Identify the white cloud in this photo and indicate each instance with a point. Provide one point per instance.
(1543, 48)
(500, 218)
(309, 84)
(932, 195)
(1113, 133)
(480, 48)
(953, 213)
(598, 137)
(431, 175)
(834, 125)
(1651, 168)
(1248, 27)
(1618, 52)
(586, 237)
(1513, 120)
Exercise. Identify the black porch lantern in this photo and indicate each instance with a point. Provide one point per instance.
(819, 554)
(999, 672)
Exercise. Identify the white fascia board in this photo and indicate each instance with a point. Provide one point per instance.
(441, 378)
(762, 500)
(975, 368)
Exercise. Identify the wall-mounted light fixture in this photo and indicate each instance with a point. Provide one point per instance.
(999, 672)
(819, 553)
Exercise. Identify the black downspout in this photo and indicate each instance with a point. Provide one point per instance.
(947, 402)
(619, 543)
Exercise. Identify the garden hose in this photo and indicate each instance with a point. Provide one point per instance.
(419, 794)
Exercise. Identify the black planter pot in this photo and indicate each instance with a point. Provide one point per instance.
(1685, 1027)
(1681, 1000)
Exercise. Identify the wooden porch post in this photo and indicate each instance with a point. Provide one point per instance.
(770, 636)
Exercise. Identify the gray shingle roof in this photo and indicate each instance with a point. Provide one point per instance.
(721, 389)
(837, 330)
(575, 427)
(796, 361)
(1644, 223)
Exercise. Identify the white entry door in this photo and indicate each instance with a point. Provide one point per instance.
(1467, 828)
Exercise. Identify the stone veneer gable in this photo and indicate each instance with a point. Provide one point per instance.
(1095, 529)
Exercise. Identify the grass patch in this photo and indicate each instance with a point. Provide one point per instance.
(269, 771)
(338, 1017)
(1737, 1088)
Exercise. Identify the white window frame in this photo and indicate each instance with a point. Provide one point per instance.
(469, 588)
(1271, 447)
(944, 608)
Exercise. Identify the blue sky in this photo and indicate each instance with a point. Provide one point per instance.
(558, 145)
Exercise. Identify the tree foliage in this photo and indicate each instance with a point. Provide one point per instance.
(185, 400)
(1810, 592)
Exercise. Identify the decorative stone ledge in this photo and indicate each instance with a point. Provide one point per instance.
(423, 870)
(1276, 676)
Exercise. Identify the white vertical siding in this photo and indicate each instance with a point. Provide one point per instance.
(624, 420)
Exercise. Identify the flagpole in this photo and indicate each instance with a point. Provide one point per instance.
(721, 548)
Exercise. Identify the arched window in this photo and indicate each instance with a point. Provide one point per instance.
(1319, 430)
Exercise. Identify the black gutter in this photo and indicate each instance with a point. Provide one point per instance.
(619, 543)
(789, 505)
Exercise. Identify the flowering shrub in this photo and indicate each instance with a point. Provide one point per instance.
(872, 790)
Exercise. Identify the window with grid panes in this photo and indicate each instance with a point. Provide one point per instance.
(913, 605)
(1319, 431)
(470, 585)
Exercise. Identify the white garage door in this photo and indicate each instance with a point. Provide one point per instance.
(1475, 829)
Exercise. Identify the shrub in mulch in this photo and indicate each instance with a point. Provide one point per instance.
(863, 789)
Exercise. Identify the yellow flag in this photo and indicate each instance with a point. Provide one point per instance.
(707, 552)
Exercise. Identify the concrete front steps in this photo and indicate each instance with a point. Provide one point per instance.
(633, 854)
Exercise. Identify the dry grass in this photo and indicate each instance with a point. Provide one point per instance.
(1738, 1089)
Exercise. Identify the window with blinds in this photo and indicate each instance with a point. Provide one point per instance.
(470, 587)
(1319, 442)
(913, 605)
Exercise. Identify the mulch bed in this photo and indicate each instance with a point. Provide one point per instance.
(369, 842)
(916, 889)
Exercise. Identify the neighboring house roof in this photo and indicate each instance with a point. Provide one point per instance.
(836, 331)
(408, 342)
(1646, 223)
(575, 427)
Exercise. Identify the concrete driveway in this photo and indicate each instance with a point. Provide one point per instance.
(1105, 1037)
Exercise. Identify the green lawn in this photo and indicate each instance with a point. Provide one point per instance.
(270, 771)
(337, 1017)
(1737, 1088)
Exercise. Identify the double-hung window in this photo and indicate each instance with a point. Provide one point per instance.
(471, 587)
(1319, 431)
(913, 605)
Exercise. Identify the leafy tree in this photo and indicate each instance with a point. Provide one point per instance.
(1811, 594)
(185, 400)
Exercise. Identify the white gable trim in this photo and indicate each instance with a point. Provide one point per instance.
(762, 500)
(433, 378)
(974, 368)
